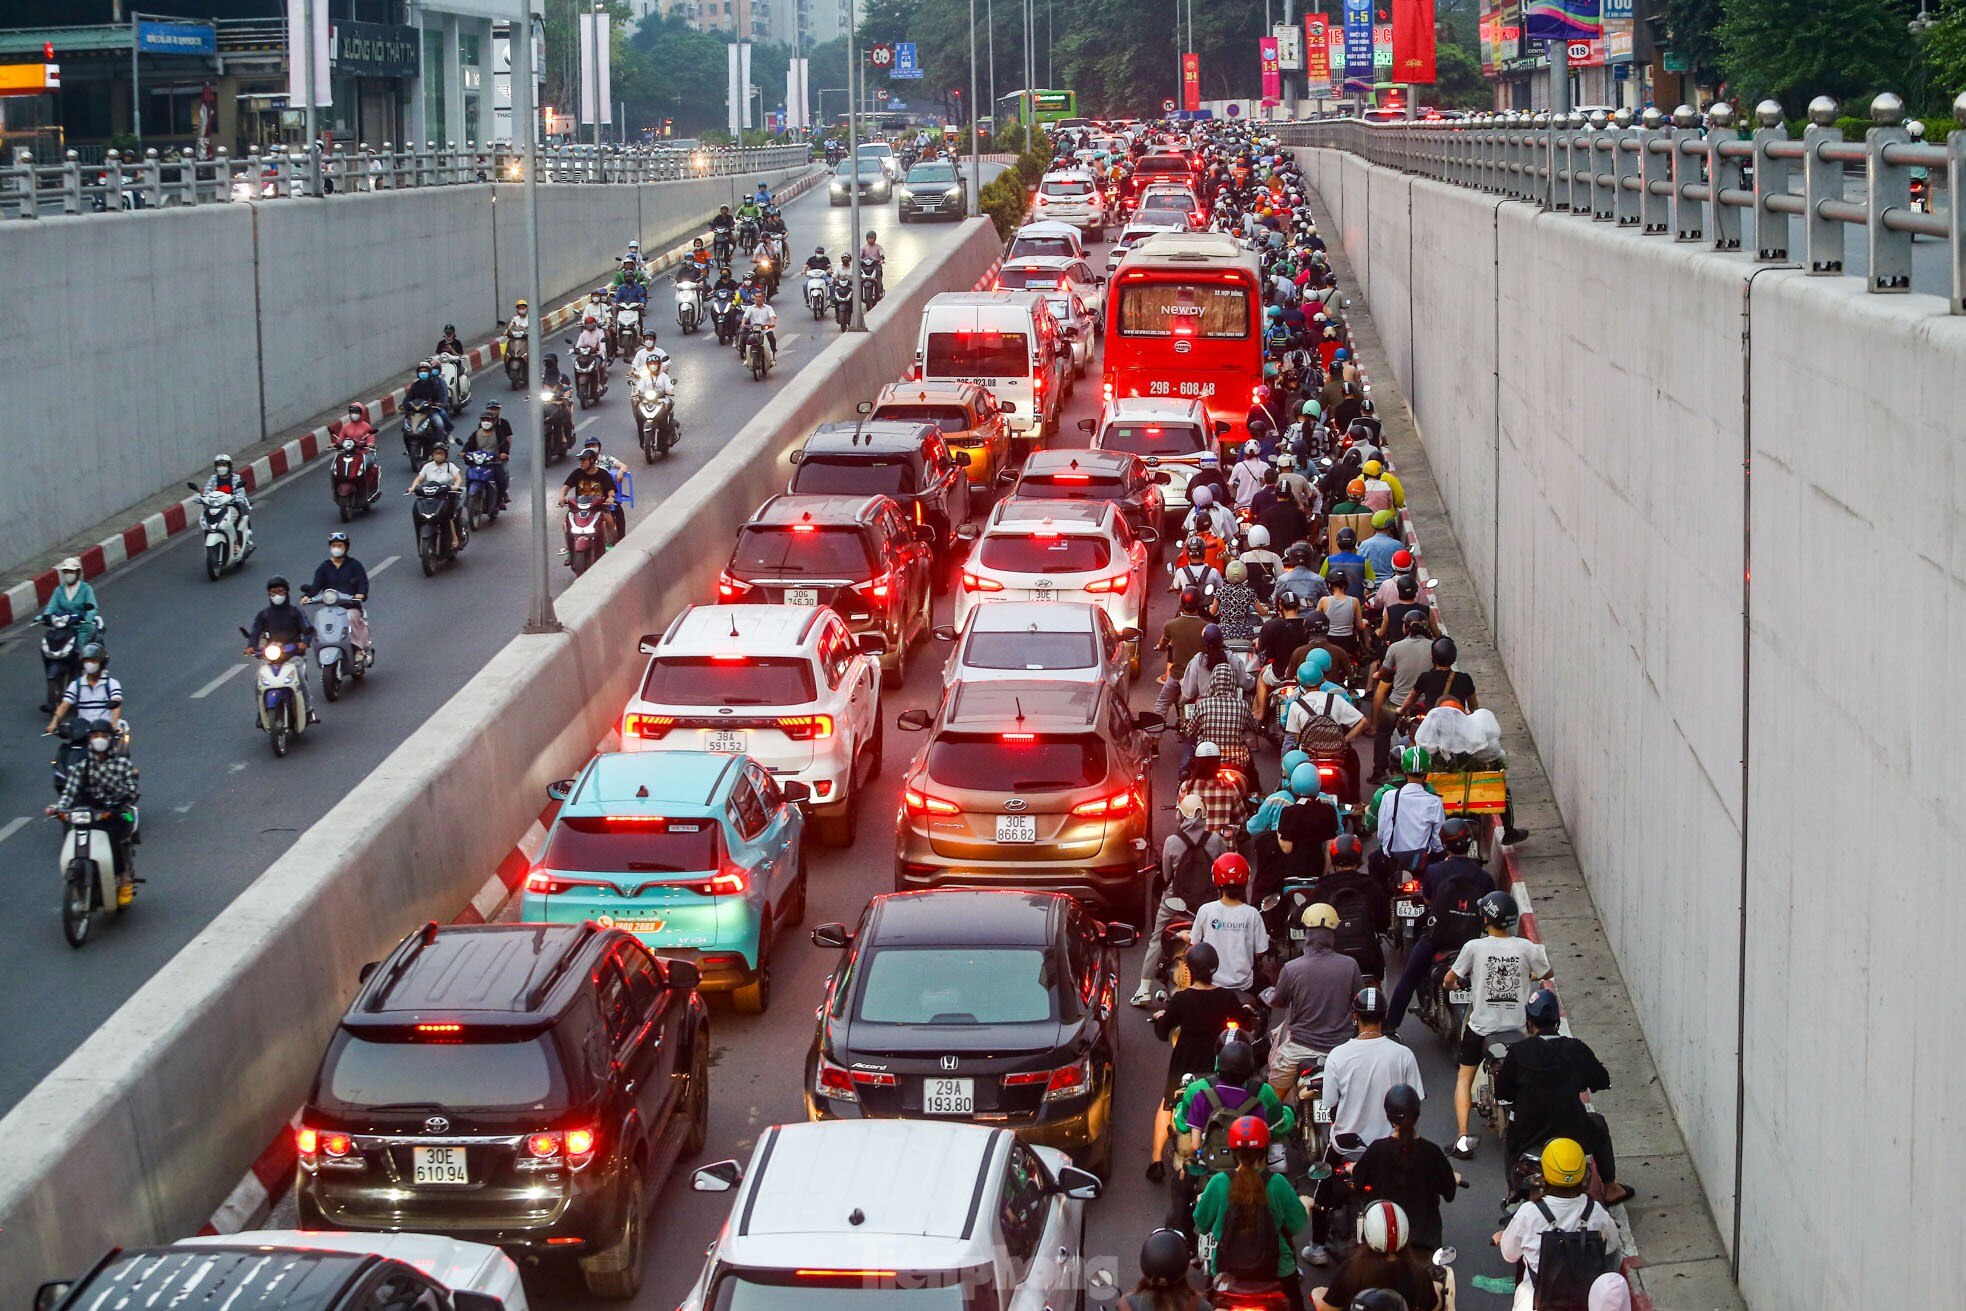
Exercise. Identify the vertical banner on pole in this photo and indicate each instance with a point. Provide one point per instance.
(744, 80)
(299, 66)
(1266, 51)
(734, 92)
(1334, 35)
(596, 80)
(1358, 46)
(1317, 51)
(1413, 41)
(1191, 81)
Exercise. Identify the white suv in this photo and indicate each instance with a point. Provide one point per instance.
(788, 686)
(873, 1214)
(1051, 551)
(1072, 196)
(1168, 433)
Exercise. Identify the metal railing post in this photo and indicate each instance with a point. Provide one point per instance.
(1655, 173)
(1723, 174)
(1822, 180)
(1687, 224)
(1627, 169)
(1955, 213)
(1602, 154)
(71, 183)
(1580, 157)
(1771, 178)
(1887, 186)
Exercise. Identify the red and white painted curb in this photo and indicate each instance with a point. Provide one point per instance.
(24, 599)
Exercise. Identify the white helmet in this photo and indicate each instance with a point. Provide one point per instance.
(1259, 537)
(1383, 1227)
(1251, 449)
(222, 461)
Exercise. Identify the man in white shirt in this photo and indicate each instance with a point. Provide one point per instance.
(655, 360)
(1501, 970)
(1411, 816)
(760, 315)
(1232, 926)
(1563, 1207)
(1357, 1076)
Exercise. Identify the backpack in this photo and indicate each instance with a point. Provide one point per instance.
(1192, 873)
(1214, 1155)
(1568, 1262)
(1321, 734)
(1355, 932)
(1455, 918)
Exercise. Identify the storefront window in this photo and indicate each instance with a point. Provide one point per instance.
(435, 125)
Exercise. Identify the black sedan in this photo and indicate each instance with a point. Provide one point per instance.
(1071, 474)
(986, 1006)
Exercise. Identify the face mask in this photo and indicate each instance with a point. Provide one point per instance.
(423, 373)
(337, 551)
(354, 416)
(70, 577)
(277, 598)
(91, 666)
(485, 426)
(99, 745)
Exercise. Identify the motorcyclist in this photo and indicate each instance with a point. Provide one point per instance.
(1252, 1238)
(75, 598)
(519, 326)
(871, 249)
(592, 478)
(92, 694)
(1163, 1282)
(439, 469)
(449, 343)
(763, 195)
(1387, 1258)
(1312, 1010)
(1501, 969)
(630, 274)
(350, 581)
(1454, 887)
(1407, 1169)
(817, 262)
(105, 781)
(697, 262)
(357, 428)
(428, 389)
(1357, 1076)
(495, 435)
(724, 282)
(595, 338)
(286, 623)
(654, 360)
(764, 265)
(1208, 473)
(759, 316)
(225, 479)
(1548, 1082)
(722, 226)
(552, 378)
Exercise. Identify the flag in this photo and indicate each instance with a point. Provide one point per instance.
(1191, 82)
(1413, 41)
(1266, 50)
(1317, 53)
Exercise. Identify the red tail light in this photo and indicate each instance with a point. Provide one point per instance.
(978, 583)
(804, 728)
(580, 1147)
(1113, 807)
(1326, 773)
(729, 588)
(651, 728)
(1074, 1080)
(307, 1141)
(834, 1081)
(543, 1145)
(1115, 585)
(922, 803)
(1410, 888)
(879, 588)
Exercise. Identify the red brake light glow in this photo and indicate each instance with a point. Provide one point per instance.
(804, 528)
(440, 1028)
(580, 1144)
(543, 1144)
(1020, 737)
(804, 728)
(978, 583)
(1120, 803)
(846, 1274)
(647, 726)
(833, 1081)
(922, 803)
(1115, 584)
(307, 1141)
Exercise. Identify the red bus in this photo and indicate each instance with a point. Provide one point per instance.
(1184, 320)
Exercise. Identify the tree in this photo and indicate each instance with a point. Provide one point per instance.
(1458, 83)
(1944, 52)
(1794, 50)
(1689, 28)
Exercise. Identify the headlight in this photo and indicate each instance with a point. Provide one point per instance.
(953, 193)
(906, 194)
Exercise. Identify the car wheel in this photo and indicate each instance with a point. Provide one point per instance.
(874, 761)
(697, 1129)
(755, 996)
(615, 1272)
(837, 830)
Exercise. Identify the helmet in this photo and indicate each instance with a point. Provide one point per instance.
(1229, 870)
(1259, 537)
(450, 329)
(1445, 652)
(1563, 1161)
(1292, 759)
(95, 651)
(71, 565)
(1312, 409)
(1383, 1227)
(277, 584)
(1340, 354)
(1211, 635)
(1381, 518)
(1304, 780)
(1274, 312)
(1203, 497)
(1347, 537)
(1207, 751)
(1319, 660)
(1285, 460)
(520, 303)
(1345, 849)
(1320, 915)
(1250, 1133)
(1196, 546)
(1209, 460)
(1378, 1299)
(223, 462)
(1415, 760)
(1202, 961)
(1498, 910)
(1164, 1257)
(1373, 468)
(1369, 1002)
(1417, 620)
(1236, 572)
(337, 537)
(1299, 553)
(1457, 835)
(1236, 1061)
(1402, 1104)
(1544, 1010)
(1252, 449)
(1402, 560)
(1190, 597)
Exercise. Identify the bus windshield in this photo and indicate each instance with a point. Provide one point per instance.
(1214, 311)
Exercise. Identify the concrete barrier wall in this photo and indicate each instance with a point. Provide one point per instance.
(226, 325)
(138, 1136)
(1586, 397)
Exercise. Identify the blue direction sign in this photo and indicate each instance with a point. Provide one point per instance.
(905, 62)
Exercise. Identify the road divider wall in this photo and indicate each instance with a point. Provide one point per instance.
(148, 340)
(142, 1133)
(1615, 422)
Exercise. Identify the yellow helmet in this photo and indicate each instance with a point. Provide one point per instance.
(1320, 915)
(1373, 468)
(1563, 1163)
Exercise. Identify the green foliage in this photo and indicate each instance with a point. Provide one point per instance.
(1031, 166)
(1689, 28)
(1004, 200)
(1793, 50)
(1944, 49)
(1458, 81)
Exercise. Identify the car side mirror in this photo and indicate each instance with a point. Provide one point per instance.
(798, 455)
(795, 792)
(1121, 936)
(1129, 634)
(1146, 534)
(865, 407)
(1163, 477)
(914, 721)
(960, 457)
(1221, 429)
(1005, 477)
(720, 1177)
(558, 791)
(684, 976)
(925, 534)
(834, 935)
(649, 642)
(943, 632)
(465, 1299)
(870, 643)
(1080, 1184)
(1086, 425)
(1008, 407)
(967, 532)
(49, 1295)
(362, 975)
(1148, 721)
(1100, 280)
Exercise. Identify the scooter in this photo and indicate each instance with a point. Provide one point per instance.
(689, 305)
(516, 358)
(432, 513)
(590, 380)
(334, 647)
(841, 292)
(281, 692)
(723, 315)
(747, 234)
(88, 871)
(870, 287)
(480, 487)
(1482, 1094)
(1173, 973)
(61, 654)
(627, 329)
(457, 378)
(355, 478)
(1313, 1114)
(757, 354)
(655, 420)
(420, 431)
(818, 283)
(228, 540)
(722, 246)
(590, 531)
(559, 424)
(765, 270)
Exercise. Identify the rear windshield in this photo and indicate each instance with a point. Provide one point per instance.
(1162, 164)
(1152, 439)
(1170, 203)
(782, 1290)
(485, 1076)
(825, 552)
(1004, 762)
(1020, 553)
(639, 844)
(819, 473)
(1031, 279)
(1030, 651)
(1066, 187)
(1042, 246)
(957, 985)
(1168, 309)
(1070, 487)
(978, 355)
(752, 681)
(949, 418)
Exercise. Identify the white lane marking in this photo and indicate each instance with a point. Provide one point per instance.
(216, 683)
(13, 826)
(384, 565)
(584, 422)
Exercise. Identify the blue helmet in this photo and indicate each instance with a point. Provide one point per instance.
(1292, 759)
(1304, 781)
(1341, 354)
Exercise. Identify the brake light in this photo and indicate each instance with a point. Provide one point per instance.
(804, 728)
(846, 1274)
(1120, 803)
(1410, 887)
(543, 1145)
(1255, 395)
(1326, 773)
(1116, 584)
(1070, 478)
(307, 1141)
(651, 727)
(580, 1147)
(726, 884)
(1074, 1080)
(878, 588)
(833, 1081)
(728, 587)
(1106, 391)
(1038, 384)
(922, 803)
(541, 882)
(874, 1079)
(440, 1028)
(978, 583)
(1020, 737)
(804, 528)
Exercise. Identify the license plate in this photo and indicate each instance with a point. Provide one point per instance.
(948, 1096)
(1017, 828)
(440, 1165)
(631, 926)
(1298, 933)
(1409, 910)
(1320, 1113)
(801, 596)
(723, 744)
(1460, 996)
(1042, 594)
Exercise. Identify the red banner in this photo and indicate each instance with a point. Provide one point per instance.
(1317, 53)
(1191, 82)
(1336, 50)
(1413, 41)
(1266, 50)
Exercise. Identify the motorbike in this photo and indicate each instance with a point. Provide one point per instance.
(61, 653)
(655, 419)
(722, 246)
(590, 531)
(457, 377)
(870, 287)
(559, 423)
(480, 487)
(280, 692)
(1921, 195)
(355, 478)
(1443, 1010)
(432, 512)
(723, 315)
(689, 305)
(1231, 1291)
(88, 870)
(765, 270)
(747, 234)
(420, 431)
(627, 329)
(1173, 973)
(818, 284)
(756, 353)
(1409, 910)
(590, 381)
(1482, 1094)
(841, 293)
(334, 647)
(227, 539)
(516, 352)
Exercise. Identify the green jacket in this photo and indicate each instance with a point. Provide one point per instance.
(1286, 1209)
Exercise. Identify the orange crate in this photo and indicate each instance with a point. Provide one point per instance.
(1477, 792)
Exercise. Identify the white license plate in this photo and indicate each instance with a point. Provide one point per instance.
(1460, 996)
(801, 596)
(1409, 910)
(948, 1096)
(440, 1165)
(723, 744)
(1320, 1113)
(1042, 594)
(1017, 828)
(1298, 933)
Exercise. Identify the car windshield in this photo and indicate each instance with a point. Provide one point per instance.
(1032, 553)
(1166, 204)
(1015, 762)
(631, 844)
(956, 985)
(1025, 246)
(740, 681)
(1152, 438)
(481, 1076)
(1030, 651)
(824, 552)
(977, 355)
(867, 167)
(922, 174)
(949, 418)
(1071, 487)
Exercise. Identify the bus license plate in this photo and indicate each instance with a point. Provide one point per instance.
(723, 744)
(1017, 828)
(949, 1096)
(442, 1166)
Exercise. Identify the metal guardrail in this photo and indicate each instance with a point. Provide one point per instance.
(1699, 179)
(29, 190)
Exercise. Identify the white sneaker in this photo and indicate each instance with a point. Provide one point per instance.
(1464, 1146)
(1144, 997)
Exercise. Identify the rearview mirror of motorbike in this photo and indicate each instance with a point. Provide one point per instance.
(192, 486)
(1444, 1256)
(1175, 904)
(795, 792)
(865, 407)
(1270, 902)
(914, 721)
(558, 791)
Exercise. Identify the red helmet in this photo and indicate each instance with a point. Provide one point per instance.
(1229, 869)
(1251, 1131)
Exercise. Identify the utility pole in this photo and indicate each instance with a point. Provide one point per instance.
(859, 323)
(975, 206)
(594, 66)
(525, 124)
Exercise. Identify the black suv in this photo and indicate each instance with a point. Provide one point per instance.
(527, 1085)
(907, 461)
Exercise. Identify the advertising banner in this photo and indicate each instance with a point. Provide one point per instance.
(1358, 45)
(1191, 81)
(1317, 51)
(1560, 20)
(1335, 47)
(1413, 41)
(596, 76)
(1382, 51)
(1266, 51)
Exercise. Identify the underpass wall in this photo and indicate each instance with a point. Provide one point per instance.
(141, 1133)
(1580, 392)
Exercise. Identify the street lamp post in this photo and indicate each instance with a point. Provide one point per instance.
(853, 81)
(525, 120)
(975, 148)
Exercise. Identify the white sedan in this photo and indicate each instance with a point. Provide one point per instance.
(1022, 640)
(1053, 551)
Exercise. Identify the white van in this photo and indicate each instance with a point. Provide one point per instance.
(1006, 341)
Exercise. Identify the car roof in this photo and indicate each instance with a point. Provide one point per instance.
(963, 917)
(872, 436)
(1048, 228)
(651, 782)
(483, 974)
(815, 508)
(1067, 174)
(452, 1262)
(1029, 300)
(1083, 518)
(1113, 463)
(1034, 617)
(753, 630)
(237, 1277)
(1037, 704)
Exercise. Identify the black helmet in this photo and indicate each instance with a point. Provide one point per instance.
(1345, 849)
(102, 726)
(1317, 623)
(1544, 1010)
(1287, 599)
(1445, 652)
(95, 651)
(1402, 1104)
(1378, 1299)
(1408, 587)
(1299, 553)
(1457, 835)
(1164, 1258)
(1499, 909)
(1236, 1061)
(552, 361)
(1202, 961)
(1369, 1003)
(1347, 538)
(450, 329)
(1190, 599)
(1416, 621)
(277, 582)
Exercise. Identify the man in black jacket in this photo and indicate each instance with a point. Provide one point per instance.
(1549, 1078)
